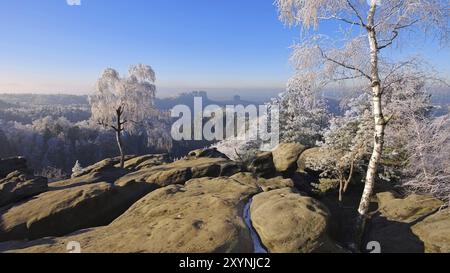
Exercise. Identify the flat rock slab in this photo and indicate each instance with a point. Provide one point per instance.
(407, 210)
(18, 185)
(434, 231)
(263, 183)
(180, 171)
(145, 161)
(60, 212)
(103, 171)
(392, 225)
(100, 194)
(204, 215)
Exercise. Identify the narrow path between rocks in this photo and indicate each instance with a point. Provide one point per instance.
(257, 245)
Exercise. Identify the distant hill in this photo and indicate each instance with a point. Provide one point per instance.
(188, 99)
(41, 99)
(16, 100)
(441, 99)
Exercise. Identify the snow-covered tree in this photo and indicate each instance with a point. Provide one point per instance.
(428, 163)
(124, 103)
(350, 135)
(76, 169)
(368, 28)
(303, 115)
(252, 133)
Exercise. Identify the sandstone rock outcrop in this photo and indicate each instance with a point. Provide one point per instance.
(434, 231)
(205, 215)
(208, 152)
(145, 161)
(100, 194)
(59, 212)
(19, 185)
(196, 204)
(392, 226)
(288, 222)
(285, 156)
(407, 210)
(180, 171)
(263, 183)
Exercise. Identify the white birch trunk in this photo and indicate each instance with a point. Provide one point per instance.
(377, 113)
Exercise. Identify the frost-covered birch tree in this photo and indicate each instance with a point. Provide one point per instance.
(368, 28)
(406, 94)
(123, 103)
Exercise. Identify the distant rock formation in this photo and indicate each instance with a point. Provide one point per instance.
(17, 182)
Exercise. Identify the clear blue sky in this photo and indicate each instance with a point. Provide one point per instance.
(235, 45)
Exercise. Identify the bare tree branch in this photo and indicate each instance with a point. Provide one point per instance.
(357, 14)
(342, 64)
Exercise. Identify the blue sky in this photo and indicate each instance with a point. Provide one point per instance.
(215, 45)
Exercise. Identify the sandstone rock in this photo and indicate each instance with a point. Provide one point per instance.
(407, 210)
(102, 166)
(145, 161)
(205, 215)
(115, 199)
(208, 152)
(152, 169)
(177, 172)
(263, 183)
(18, 185)
(9, 165)
(231, 168)
(285, 156)
(103, 171)
(60, 212)
(289, 222)
(391, 227)
(263, 165)
(171, 176)
(434, 231)
(212, 170)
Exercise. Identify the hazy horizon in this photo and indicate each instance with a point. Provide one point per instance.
(218, 93)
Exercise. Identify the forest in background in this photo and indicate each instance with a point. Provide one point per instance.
(53, 131)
